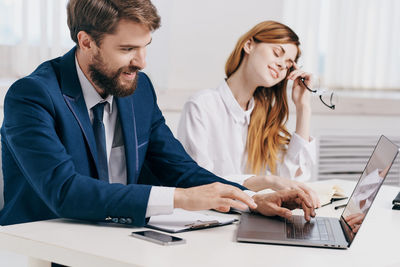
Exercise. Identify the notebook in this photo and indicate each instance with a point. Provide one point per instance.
(325, 231)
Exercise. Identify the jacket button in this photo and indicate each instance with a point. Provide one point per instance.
(115, 220)
(122, 220)
(128, 220)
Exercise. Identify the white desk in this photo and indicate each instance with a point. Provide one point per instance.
(78, 243)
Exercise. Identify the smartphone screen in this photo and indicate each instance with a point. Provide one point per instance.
(159, 238)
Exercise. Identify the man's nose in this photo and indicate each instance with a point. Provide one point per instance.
(139, 59)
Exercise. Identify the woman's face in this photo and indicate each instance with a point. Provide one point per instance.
(267, 63)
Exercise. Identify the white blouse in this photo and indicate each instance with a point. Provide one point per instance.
(213, 130)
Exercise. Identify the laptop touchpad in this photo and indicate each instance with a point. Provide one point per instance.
(257, 227)
(261, 223)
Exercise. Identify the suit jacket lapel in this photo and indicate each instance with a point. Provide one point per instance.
(72, 93)
(126, 114)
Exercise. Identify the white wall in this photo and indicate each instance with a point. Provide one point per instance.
(189, 51)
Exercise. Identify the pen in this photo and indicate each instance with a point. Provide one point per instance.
(333, 200)
(340, 206)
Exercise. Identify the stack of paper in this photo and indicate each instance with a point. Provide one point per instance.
(327, 192)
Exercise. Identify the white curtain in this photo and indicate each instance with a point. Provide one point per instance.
(351, 44)
(31, 31)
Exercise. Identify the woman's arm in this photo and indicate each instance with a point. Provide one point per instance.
(192, 133)
(302, 152)
(299, 159)
(301, 99)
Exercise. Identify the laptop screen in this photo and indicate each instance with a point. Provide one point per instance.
(368, 186)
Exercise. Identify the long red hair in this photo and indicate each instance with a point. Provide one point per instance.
(267, 134)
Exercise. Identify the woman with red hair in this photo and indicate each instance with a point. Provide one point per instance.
(238, 130)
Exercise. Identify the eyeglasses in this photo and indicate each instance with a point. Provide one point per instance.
(324, 95)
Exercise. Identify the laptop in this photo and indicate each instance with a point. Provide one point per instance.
(325, 231)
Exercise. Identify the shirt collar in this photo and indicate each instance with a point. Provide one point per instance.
(238, 114)
(92, 98)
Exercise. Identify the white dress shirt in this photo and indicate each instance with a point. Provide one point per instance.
(213, 129)
(161, 199)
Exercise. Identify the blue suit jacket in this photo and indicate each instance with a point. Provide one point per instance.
(49, 153)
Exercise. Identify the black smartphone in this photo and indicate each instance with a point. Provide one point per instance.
(159, 238)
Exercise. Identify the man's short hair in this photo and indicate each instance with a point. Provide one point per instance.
(99, 17)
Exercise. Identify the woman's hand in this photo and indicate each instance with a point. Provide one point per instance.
(276, 183)
(301, 99)
(300, 94)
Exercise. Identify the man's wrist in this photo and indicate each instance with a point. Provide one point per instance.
(179, 196)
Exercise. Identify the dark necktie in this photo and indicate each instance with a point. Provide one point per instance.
(100, 136)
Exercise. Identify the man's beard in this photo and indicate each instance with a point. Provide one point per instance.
(108, 81)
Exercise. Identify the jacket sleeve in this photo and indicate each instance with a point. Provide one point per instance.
(31, 134)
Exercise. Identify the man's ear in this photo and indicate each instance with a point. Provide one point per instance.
(85, 41)
(248, 46)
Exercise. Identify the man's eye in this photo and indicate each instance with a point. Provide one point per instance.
(127, 49)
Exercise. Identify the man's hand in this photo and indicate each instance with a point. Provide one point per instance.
(216, 196)
(285, 183)
(280, 203)
(276, 183)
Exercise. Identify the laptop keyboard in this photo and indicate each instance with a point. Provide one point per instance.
(316, 229)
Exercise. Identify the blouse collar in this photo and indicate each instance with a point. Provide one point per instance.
(238, 114)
